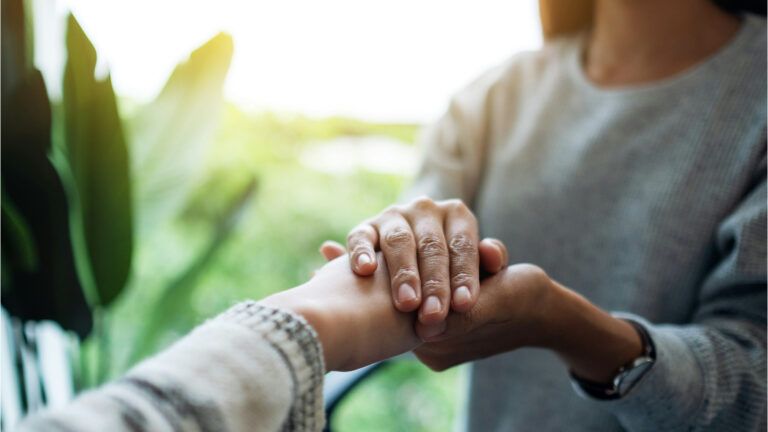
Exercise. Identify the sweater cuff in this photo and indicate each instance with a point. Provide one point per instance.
(670, 393)
(298, 345)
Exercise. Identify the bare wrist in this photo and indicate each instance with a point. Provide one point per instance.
(296, 303)
(592, 343)
(546, 325)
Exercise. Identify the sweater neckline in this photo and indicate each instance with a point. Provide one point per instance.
(576, 68)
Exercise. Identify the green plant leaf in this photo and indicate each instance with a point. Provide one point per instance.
(17, 44)
(97, 156)
(40, 280)
(173, 304)
(19, 236)
(40, 266)
(170, 135)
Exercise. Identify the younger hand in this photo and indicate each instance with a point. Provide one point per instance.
(353, 316)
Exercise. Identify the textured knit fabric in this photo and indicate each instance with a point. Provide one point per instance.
(253, 368)
(649, 200)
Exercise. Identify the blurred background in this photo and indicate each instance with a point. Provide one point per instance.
(174, 157)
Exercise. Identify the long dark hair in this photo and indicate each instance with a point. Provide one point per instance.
(740, 6)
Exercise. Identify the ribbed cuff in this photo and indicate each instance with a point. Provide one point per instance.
(670, 394)
(297, 343)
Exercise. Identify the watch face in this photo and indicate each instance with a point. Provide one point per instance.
(632, 376)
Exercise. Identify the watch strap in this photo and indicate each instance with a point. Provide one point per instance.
(627, 375)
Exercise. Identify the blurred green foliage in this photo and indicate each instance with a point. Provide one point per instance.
(97, 173)
(40, 276)
(168, 215)
(405, 396)
(275, 246)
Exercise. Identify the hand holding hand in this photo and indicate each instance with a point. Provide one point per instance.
(508, 314)
(352, 315)
(432, 251)
(522, 307)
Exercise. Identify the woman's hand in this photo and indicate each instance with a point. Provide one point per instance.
(522, 307)
(432, 251)
(508, 314)
(353, 316)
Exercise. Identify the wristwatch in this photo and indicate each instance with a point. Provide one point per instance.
(627, 375)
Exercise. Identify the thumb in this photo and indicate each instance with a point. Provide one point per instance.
(332, 250)
(493, 255)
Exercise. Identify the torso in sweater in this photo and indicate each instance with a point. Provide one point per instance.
(617, 194)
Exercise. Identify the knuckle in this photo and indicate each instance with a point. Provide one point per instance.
(405, 273)
(431, 246)
(457, 209)
(462, 244)
(454, 204)
(457, 206)
(531, 270)
(423, 203)
(354, 236)
(359, 234)
(359, 249)
(460, 279)
(390, 212)
(434, 286)
(398, 238)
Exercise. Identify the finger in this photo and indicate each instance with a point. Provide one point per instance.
(332, 250)
(462, 238)
(399, 247)
(432, 258)
(361, 243)
(493, 255)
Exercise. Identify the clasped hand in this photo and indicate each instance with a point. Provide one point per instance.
(455, 292)
(422, 280)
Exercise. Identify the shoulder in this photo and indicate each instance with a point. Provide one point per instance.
(745, 57)
(739, 73)
(756, 27)
(522, 72)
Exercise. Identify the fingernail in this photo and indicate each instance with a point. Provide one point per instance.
(363, 259)
(431, 331)
(405, 293)
(461, 295)
(431, 306)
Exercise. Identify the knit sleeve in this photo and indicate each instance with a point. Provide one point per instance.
(252, 368)
(711, 374)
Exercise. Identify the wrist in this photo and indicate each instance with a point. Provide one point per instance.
(316, 317)
(592, 343)
(529, 312)
(547, 320)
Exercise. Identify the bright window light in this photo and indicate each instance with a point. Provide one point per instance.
(398, 60)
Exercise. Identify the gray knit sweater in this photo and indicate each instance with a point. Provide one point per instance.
(649, 200)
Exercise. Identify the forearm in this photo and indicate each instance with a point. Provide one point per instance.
(592, 343)
(707, 376)
(249, 369)
(353, 316)
(334, 354)
(710, 372)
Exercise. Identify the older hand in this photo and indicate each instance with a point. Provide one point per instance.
(508, 315)
(432, 252)
(522, 307)
(353, 316)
